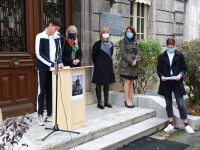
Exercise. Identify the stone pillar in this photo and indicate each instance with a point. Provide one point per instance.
(192, 12)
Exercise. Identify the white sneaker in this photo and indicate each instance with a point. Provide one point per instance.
(40, 120)
(169, 128)
(49, 118)
(188, 129)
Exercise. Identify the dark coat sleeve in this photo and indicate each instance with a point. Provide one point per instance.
(183, 65)
(79, 52)
(65, 57)
(159, 65)
(95, 50)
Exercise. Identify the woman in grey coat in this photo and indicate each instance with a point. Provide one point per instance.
(128, 68)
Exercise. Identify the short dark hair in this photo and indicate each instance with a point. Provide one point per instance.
(55, 22)
(170, 41)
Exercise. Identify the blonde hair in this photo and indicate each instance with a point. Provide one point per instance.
(103, 30)
(70, 27)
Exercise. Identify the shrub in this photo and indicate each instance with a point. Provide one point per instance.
(13, 130)
(149, 52)
(191, 51)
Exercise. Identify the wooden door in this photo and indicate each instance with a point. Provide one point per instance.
(20, 22)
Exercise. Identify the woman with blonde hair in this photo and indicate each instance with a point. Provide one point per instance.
(128, 68)
(103, 74)
(72, 54)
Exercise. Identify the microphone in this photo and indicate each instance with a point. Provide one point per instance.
(61, 35)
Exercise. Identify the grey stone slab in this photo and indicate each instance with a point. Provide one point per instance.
(164, 28)
(98, 123)
(179, 6)
(178, 29)
(100, 6)
(179, 17)
(95, 22)
(163, 39)
(179, 39)
(164, 16)
(165, 5)
(120, 8)
(120, 137)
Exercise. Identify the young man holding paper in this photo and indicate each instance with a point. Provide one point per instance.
(171, 68)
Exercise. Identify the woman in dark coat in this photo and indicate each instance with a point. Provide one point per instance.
(72, 54)
(128, 67)
(171, 68)
(103, 74)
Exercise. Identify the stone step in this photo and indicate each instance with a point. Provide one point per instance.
(124, 136)
(98, 123)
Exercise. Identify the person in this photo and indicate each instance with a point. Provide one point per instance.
(171, 64)
(47, 51)
(103, 74)
(128, 67)
(72, 53)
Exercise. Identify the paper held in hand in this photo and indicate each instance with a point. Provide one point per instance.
(171, 78)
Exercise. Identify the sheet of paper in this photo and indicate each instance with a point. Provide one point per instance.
(171, 78)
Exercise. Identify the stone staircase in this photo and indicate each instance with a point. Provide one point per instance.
(104, 129)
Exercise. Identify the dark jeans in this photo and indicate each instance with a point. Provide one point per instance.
(180, 103)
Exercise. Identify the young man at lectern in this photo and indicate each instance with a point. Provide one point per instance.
(47, 47)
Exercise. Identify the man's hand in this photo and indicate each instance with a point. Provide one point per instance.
(134, 63)
(59, 66)
(76, 61)
(163, 78)
(178, 77)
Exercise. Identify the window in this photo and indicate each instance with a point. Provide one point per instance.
(13, 28)
(138, 19)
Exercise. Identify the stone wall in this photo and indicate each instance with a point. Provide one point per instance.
(166, 20)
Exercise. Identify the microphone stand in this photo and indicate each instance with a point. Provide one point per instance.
(56, 128)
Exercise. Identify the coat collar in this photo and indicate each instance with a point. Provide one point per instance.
(126, 40)
(175, 58)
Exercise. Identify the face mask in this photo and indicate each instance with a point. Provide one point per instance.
(129, 35)
(71, 35)
(105, 35)
(170, 50)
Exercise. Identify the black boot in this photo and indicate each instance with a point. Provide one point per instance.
(106, 103)
(98, 93)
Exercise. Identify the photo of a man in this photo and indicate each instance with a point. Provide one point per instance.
(77, 84)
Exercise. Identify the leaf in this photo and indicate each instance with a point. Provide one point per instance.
(164, 135)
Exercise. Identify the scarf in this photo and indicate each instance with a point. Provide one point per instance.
(74, 44)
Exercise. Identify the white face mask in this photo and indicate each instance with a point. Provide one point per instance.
(105, 35)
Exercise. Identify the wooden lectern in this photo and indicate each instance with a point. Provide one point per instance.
(70, 97)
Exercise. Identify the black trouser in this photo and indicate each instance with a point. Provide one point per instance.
(44, 86)
(180, 103)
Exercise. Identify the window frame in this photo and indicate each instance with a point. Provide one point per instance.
(135, 17)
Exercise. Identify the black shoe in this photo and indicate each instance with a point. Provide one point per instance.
(106, 91)
(98, 94)
(128, 106)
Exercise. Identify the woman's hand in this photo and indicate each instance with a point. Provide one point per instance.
(76, 61)
(134, 63)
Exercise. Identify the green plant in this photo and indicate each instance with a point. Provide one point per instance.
(149, 52)
(159, 129)
(191, 51)
(13, 130)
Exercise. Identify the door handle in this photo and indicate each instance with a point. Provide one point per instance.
(16, 63)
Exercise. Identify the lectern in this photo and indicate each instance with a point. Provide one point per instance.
(70, 97)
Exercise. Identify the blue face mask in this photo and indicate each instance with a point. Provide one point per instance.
(170, 50)
(129, 35)
(71, 35)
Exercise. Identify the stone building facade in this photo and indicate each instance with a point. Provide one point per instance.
(173, 18)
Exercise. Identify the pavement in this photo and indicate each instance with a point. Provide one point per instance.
(181, 136)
